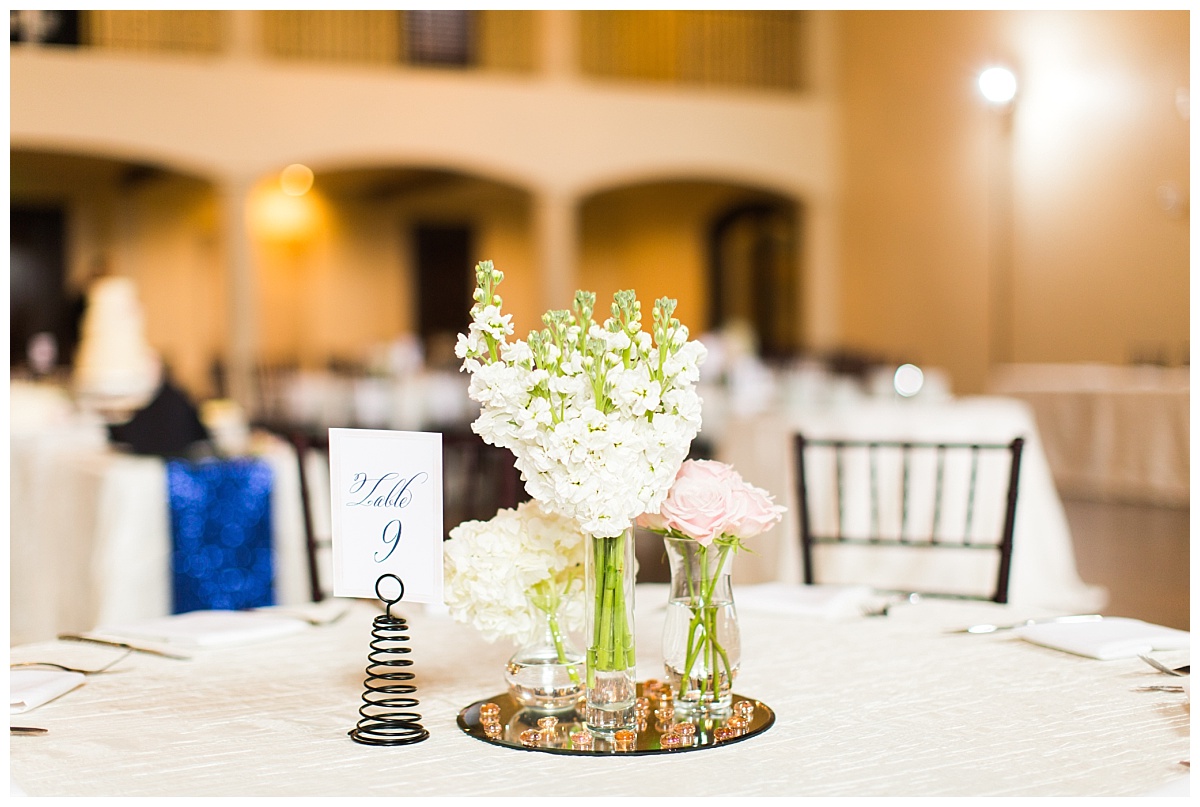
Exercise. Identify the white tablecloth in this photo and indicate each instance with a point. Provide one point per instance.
(864, 706)
(90, 539)
(1110, 432)
(1043, 564)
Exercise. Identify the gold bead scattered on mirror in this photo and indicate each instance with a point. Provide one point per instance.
(723, 733)
(624, 739)
(581, 739)
(671, 740)
(684, 730)
(531, 738)
(744, 709)
(489, 712)
(738, 724)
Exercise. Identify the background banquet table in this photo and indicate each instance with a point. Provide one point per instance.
(1043, 570)
(90, 539)
(865, 706)
(1110, 432)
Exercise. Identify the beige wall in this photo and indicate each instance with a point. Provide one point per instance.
(893, 158)
(1095, 266)
(1102, 270)
(171, 247)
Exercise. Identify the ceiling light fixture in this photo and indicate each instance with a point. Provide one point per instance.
(998, 85)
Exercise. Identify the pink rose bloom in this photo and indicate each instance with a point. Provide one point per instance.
(753, 512)
(709, 499)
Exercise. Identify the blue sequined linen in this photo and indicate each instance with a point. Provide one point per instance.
(222, 555)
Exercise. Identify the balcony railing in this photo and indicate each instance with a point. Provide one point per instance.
(709, 48)
(484, 39)
(755, 49)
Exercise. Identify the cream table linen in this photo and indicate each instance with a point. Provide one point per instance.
(865, 706)
(1043, 563)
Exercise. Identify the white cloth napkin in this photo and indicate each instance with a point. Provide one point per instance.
(788, 598)
(1108, 638)
(208, 628)
(29, 689)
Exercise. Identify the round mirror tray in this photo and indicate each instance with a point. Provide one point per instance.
(501, 720)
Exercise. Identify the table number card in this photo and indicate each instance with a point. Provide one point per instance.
(386, 491)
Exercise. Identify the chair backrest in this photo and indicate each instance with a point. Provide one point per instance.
(478, 478)
(909, 497)
(312, 464)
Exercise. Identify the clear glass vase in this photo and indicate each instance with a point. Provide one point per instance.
(611, 687)
(702, 646)
(545, 674)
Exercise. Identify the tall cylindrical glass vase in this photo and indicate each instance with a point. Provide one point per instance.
(611, 687)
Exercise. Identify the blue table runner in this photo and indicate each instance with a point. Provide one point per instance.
(222, 557)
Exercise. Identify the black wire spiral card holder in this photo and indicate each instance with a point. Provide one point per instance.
(386, 712)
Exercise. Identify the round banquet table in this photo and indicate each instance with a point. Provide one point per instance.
(865, 706)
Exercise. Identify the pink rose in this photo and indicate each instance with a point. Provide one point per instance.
(753, 512)
(709, 499)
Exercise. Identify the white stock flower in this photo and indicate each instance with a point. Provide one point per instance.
(597, 425)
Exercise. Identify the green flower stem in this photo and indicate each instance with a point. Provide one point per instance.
(704, 622)
(547, 598)
(559, 649)
(612, 646)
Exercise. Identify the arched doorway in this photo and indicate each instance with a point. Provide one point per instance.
(727, 252)
(752, 248)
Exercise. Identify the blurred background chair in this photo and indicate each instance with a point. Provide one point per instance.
(478, 478)
(312, 467)
(909, 500)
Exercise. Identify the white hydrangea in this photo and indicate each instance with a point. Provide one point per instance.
(599, 418)
(496, 569)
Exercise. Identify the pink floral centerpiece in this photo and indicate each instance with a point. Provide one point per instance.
(707, 515)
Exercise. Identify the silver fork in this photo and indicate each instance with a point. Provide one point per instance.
(1163, 668)
(65, 668)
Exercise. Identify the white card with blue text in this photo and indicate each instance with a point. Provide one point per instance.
(386, 491)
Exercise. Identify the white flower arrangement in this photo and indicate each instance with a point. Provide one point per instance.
(496, 570)
(599, 418)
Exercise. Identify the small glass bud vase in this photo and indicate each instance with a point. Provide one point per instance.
(701, 639)
(545, 674)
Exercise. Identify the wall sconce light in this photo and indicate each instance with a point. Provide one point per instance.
(276, 215)
(998, 85)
